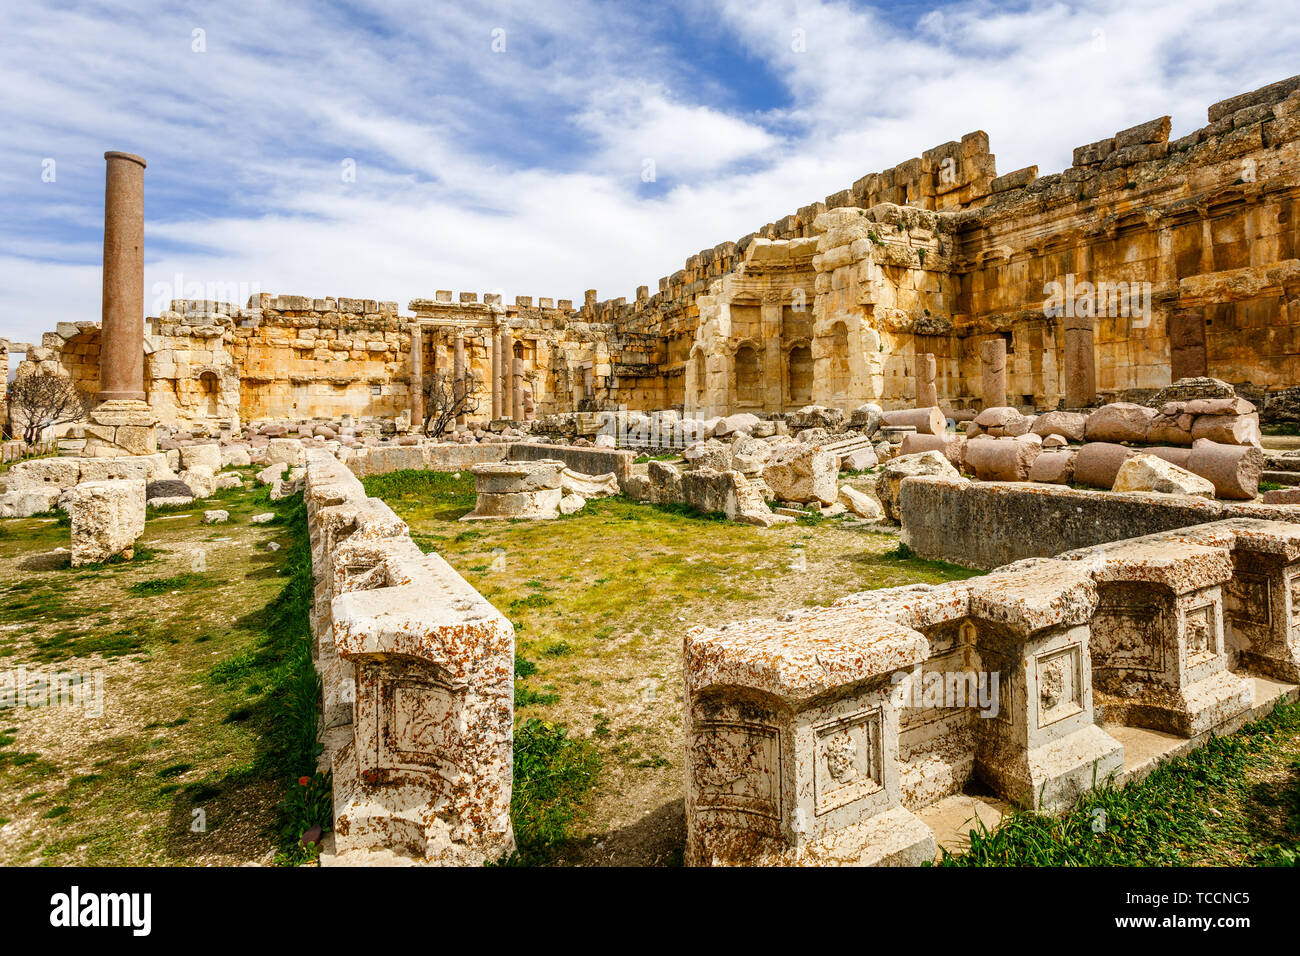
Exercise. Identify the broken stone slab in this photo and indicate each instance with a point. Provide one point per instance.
(207, 455)
(264, 518)
(741, 422)
(866, 418)
(170, 501)
(749, 455)
(730, 493)
(24, 504)
(588, 486)
(287, 451)
(235, 456)
(1191, 389)
(803, 473)
(216, 516)
(889, 482)
(664, 483)
(710, 453)
(107, 517)
(571, 503)
(201, 481)
(272, 473)
(816, 416)
(1149, 473)
(861, 459)
(861, 503)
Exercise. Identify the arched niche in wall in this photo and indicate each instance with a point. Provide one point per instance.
(749, 377)
(799, 375)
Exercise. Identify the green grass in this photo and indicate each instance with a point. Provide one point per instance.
(177, 582)
(553, 772)
(1214, 806)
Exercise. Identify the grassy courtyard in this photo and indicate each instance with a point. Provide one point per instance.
(209, 698)
(207, 707)
(601, 600)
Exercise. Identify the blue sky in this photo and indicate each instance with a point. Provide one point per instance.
(520, 170)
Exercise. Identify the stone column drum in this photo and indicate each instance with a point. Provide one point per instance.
(517, 389)
(517, 489)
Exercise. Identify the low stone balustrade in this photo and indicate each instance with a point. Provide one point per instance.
(1158, 649)
(792, 743)
(417, 674)
(1021, 678)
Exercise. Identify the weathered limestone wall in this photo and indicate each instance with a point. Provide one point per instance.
(1169, 259)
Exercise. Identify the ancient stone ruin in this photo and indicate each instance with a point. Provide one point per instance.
(1063, 381)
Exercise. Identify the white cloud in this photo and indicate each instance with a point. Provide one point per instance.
(521, 172)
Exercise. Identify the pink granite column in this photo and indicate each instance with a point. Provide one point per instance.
(927, 369)
(496, 374)
(417, 377)
(121, 356)
(517, 390)
(1080, 363)
(458, 370)
(507, 374)
(993, 368)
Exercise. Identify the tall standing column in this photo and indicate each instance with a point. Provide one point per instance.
(993, 362)
(507, 374)
(517, 390)
(122, 423)
(496, 374)
(121, 353)
(417, 377)
(458, 371)
(1080, 363)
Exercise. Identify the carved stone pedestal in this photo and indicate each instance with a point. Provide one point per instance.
(121, 427)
